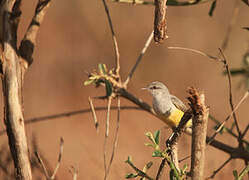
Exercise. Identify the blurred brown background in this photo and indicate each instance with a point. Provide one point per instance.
(75, 37)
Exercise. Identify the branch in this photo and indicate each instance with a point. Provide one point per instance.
(115, 144)
(27, 46)
(57, 165)
(113, 38)
(106, 135)
(160, 28)
(200, 121)
(12, 91)
(231, 95)
(139, 59)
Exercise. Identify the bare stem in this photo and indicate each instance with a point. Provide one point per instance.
(107, 134)
(115, 139)
(115, 43)
(96, 124)
(230, 94)
(139, 59)
(196, 51)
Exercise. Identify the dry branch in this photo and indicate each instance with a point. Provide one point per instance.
(160, 28)
(27, 46)
(12, 87)
(13, 70)
(199, 132)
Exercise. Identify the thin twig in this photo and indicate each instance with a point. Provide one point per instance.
(115, 140)
(96, 124)
(160, 170)
(140, 172)
(217, 170)
(139, 59)
(113, 38)
(245, 131)
(196, 51)
(107, 134)
(228, 117)
(27, 45)
(45, 171)
(230, 94)
(42, 165)
(59, 158)
(74, 172)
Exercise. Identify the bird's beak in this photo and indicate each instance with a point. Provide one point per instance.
(145, 88)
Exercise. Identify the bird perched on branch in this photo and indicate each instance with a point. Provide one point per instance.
(168, 107)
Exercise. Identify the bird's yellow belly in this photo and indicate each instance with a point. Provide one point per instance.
(174, 118)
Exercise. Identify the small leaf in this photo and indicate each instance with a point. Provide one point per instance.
(131, 175)
(157, 136)
(108, 87)
(185, 166)
(128, 159)
(150, 136)
(102, 69)
(235, 173)
(157, 154)
(89, 81)
(149, 144)
(149, 164)
(212, 8)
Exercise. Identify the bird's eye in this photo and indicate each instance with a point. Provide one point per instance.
(154, 87)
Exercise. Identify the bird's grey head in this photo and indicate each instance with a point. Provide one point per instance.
(157, 89)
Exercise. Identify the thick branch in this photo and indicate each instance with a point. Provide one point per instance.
(11, 82)
(199, 132)
(160, 21)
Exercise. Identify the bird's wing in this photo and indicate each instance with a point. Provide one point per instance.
(178, 103)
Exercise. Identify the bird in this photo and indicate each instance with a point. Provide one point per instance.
(168, 107)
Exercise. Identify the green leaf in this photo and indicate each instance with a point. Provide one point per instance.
(128, 159)
(149, 144)
(131, 175)
(102, 69)
(108, 87)
(212, 8)
(157, 136)
(89, 81)
(235, 173)
(149, 164)
(157, 153)
(150, 136)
